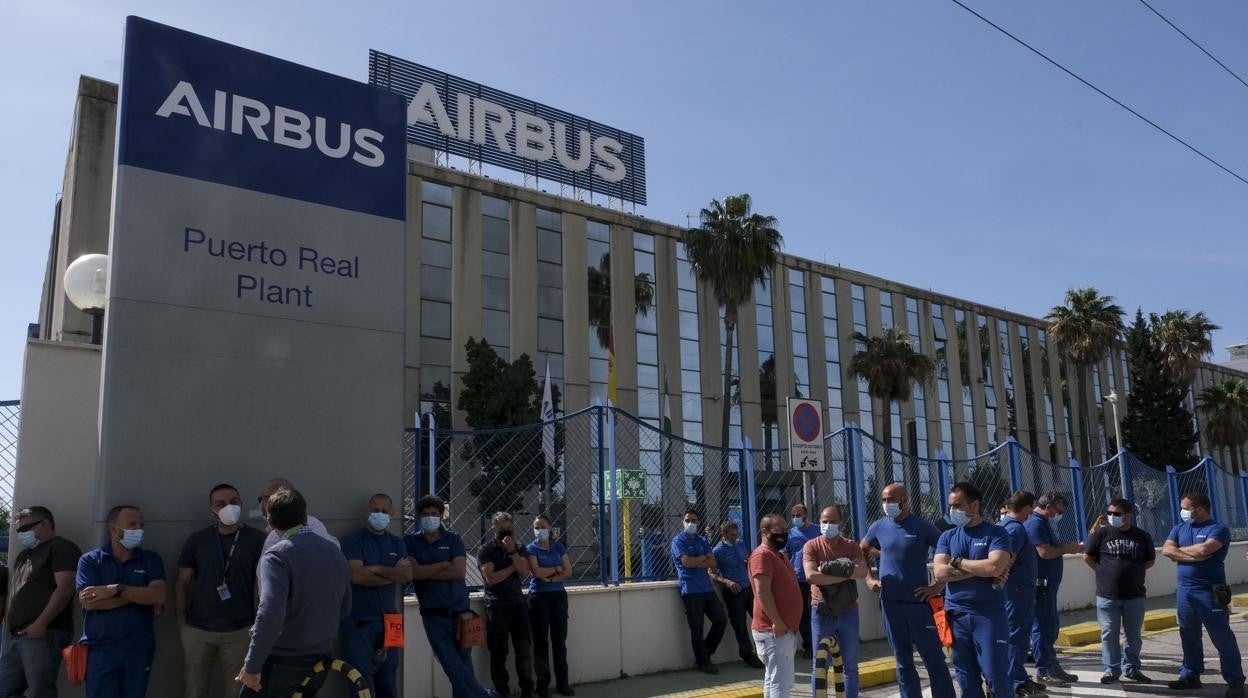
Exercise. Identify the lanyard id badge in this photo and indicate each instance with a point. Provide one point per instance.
(223, 589)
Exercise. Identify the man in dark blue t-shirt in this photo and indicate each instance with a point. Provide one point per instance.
(1198, 546)
(902, 540)
(438, 567)
(693, 557)
(1042, 534)
(1020, 589)
(972, 558)
(378, 563)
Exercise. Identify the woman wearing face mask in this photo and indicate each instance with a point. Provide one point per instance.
(548, 607)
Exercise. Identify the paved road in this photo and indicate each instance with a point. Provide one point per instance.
(1161, 656)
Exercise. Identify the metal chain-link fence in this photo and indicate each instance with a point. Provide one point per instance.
(10, 419)
(616, 487)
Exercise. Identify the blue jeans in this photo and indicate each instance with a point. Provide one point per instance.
(1196, 608)
(980, 648)
(455, 660)
(360, 642)
(1020, 611)
(1044, 631)
(1111, 614)
(845, 629)
(118, 672)
(29, 667)
(910, 626)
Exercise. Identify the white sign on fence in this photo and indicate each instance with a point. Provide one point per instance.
(806, 435)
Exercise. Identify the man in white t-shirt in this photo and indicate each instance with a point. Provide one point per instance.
(314, 524)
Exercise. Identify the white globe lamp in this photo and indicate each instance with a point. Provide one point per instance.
(86, 285)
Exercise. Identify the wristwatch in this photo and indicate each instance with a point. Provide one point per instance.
(121, 588)
(956, 563)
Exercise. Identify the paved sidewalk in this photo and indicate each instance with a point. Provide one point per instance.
(1161, 656)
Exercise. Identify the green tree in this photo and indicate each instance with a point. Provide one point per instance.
(499, 394)
(1225, 408)
(1085, 329)
(1185, 340)
(733, 249)
(890, 366)
(1158, 427)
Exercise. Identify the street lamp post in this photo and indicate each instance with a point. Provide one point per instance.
(1122, 462)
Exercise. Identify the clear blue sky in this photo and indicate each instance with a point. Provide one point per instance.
(903, 139)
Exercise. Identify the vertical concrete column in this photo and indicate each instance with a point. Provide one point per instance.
(465, 323)
(673, 498)
(1023, 409)
(956, 410)
(580, 456)
(411, 347)
(927, 341)
(845, 336)
(875, 328)
(1061, 427)
(975, 364)
(1002, 417)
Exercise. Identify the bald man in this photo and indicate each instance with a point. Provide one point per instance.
(833, 563)
(314, 524)
(901, 541)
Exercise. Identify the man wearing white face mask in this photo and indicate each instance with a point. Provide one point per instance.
(693, 558)
(215, 594)
(120, 586)
(378, 564)
(1042, 533)
(832, 563)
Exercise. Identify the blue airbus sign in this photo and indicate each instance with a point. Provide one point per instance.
(201, 108)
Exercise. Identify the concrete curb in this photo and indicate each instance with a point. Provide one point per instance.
(1082, 634)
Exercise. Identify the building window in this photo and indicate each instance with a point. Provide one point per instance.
(801, 353)
(550, 296)
(1049, 410)
(919, 443)
(1007, 372)
(964, 364)
(690, 389)
(768, 394)
(940, 342)
(435, 301)
(832, 347)
(598, 253)
(893, 410)
(984, 340)
(649, 380)
(496, 274)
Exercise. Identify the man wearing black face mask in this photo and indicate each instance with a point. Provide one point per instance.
(777, 606)
(503, 567)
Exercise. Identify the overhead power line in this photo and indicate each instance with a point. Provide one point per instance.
(1194, 43)
(1101, 92)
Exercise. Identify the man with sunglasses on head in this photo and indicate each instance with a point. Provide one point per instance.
(39, 614)
(1120, 553)
(314, 524)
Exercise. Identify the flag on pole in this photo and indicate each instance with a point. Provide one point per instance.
(548, 416)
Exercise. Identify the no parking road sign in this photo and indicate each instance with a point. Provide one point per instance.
(806, 435)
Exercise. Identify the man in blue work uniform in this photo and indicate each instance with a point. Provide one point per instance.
(656, 560)
(732, 560)
(971, 558)
(1020, 590)
(693, 557)
(377, 562)
(439, 564)
(1198, 546)
(1042, 534)
(119, 587)
(902, 540)
(801, 530)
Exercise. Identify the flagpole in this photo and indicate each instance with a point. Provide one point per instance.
(548, 439)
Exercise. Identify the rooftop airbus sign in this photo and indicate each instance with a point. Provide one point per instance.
(465, 118)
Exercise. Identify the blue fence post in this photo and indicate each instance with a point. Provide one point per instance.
(1016, 465)
(859, 490)
(615, 496)
(1172, 484)
(751, 497)
(944, 478)
(1211, 472)
(1243, 495)
(1076, 476)
(743, 488)
(416, 462)
(433, 455)
(602, 493)
(1124, 468)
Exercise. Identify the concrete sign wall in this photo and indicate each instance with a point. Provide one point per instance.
(255, 321)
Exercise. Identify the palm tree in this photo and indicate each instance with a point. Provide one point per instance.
(1085, 329)
(1185, 340)
(1225, 406)
(890, 366)
(732, 250)
(600, 298)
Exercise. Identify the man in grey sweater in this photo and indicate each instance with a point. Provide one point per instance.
(296, 624)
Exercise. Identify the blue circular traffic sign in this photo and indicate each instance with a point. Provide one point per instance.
(806, 422)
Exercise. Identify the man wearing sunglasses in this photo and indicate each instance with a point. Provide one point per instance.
(40, 615)
(1120, 553)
